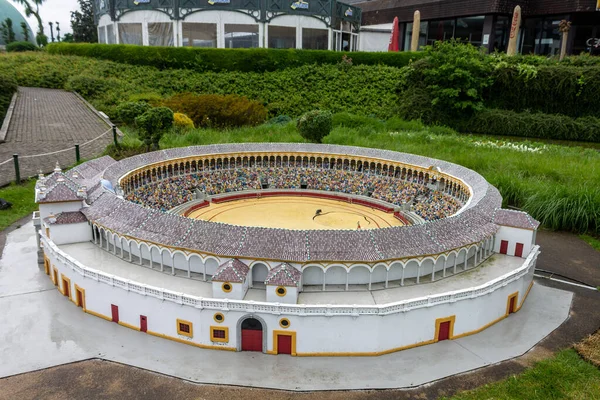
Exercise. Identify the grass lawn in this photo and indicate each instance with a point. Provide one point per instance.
(564, 376)
(592, 241)
(22, 199)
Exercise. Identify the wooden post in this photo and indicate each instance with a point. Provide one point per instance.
(514, 32)
(414, 42)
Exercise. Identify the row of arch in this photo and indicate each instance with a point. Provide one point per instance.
(154, 173)
(314, 276)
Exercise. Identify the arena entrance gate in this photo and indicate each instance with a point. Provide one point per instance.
(252, 335)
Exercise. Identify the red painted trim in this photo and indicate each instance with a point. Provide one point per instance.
(195, 207)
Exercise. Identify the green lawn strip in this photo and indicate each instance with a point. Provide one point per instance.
(592, 241)
(23, 202)
(565, 376)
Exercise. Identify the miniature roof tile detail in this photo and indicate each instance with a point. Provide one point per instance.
(60, 191)
(232, 271)
(515, 219)
(283, 275)
(71, 217)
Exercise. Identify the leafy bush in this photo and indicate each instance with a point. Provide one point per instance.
(20, 46)
(279, 120)
(315, 125)
(217, 111)
(153, 123)
(153, 99)
(217, 60)
(129, 111)
(548, 126)
(8, 87)
(89, 86)
(182, 121)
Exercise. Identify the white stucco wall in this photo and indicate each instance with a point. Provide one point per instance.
(54, 208)
(238, 290)
(323, 330)
(514, 236)
(71, 233)
(290, 297)
(373, 41)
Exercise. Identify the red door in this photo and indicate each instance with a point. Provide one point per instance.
(251, 340)
(519, 250)
(513, 305)
(504, 247)
(444, 332)
(143, 323)
(115, 313)
(66, 288)
(79, 298)
(284, 344)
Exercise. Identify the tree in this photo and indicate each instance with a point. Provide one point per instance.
(57, 31)
(8, 33)
(25, 31)
(83, 24)
(32, 7)
(68, 38)
(153, 123)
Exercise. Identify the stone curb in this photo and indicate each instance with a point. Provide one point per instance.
(9, 112)
(98, 114)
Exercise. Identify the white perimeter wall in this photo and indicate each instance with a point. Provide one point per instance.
(70, 233)
(514, 236)
(330, 332)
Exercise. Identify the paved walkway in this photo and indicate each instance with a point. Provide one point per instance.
(49, 120)
(39, 328)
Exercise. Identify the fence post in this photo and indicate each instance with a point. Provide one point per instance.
(114, 129)
(17, 170)
(77, 155)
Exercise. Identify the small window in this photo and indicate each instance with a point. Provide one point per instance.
(219, 334)
(218, 317)
(281, 291)
(284, 323)
(185, 328)
(227, 287)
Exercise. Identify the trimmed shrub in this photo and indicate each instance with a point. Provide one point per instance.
(182, 121)
(217, 111)
(129, 111)
(88, 86)
(154, 99)
(153, 123)
(315, 125)
(547, 126)
(20, 46)
(8, 86)
(217, 60)
(279, 120)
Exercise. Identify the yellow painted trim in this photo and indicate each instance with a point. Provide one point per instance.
(283, 333)
(280, 294)
(202, 346)
(526, 294)
(222, 318)
(66, 290)
(284, 326)
(225, 289)
(180, 332)
(365, 353)
(514, 295)
(439, 321)
(219, 328)
(46, 265)
(82, 290)
(95, 314)
(125, 324)
(54, 276)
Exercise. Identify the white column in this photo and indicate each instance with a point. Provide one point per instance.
(162, 264)
(173, 264)
(204, 273)
(387, 274)
(140, 250)
(189, 268)
(347, 275)
(433, 272)
(324, 278)
(444, 271)
(402, 279)
(455, 260)
(151, 259)
(418, 272)
(129, 251)
(370, 278)
(466, 260)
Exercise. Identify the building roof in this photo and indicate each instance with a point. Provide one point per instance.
(71, 217)
(61, 191)
(232, 271)
(515, 219)
(283, 275)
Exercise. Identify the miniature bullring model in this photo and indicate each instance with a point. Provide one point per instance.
(455, 264)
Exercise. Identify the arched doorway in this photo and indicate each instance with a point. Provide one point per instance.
(252, 335)
(259, 274)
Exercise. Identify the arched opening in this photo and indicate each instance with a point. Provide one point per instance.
(252, 335)
(259, 274)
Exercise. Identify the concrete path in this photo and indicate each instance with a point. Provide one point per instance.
(49, 120)
(39, 328)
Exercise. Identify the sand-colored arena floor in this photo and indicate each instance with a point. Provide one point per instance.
(293, 212)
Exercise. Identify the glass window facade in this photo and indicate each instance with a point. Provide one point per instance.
(130, 33)
(282, 37)
(422, 35)
(470, 29)
(501, 33)
(241, 36)
(199, 34)
(101, 34)
(541, 35)
(440, 30)
(110, 34)
(160, 34)
(315, 39)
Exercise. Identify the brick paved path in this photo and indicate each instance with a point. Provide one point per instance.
(48, 120)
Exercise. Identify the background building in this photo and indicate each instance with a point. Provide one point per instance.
(310, 24)
(487, 23)
(7, 10)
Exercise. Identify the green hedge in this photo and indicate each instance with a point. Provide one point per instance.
(540, 125)
(553, 89)
(217, 60)
(8, 87)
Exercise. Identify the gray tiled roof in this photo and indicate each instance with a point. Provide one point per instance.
(474, 223)
(70, 217)
(59, 192)
(232, 271)
(514, 218)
